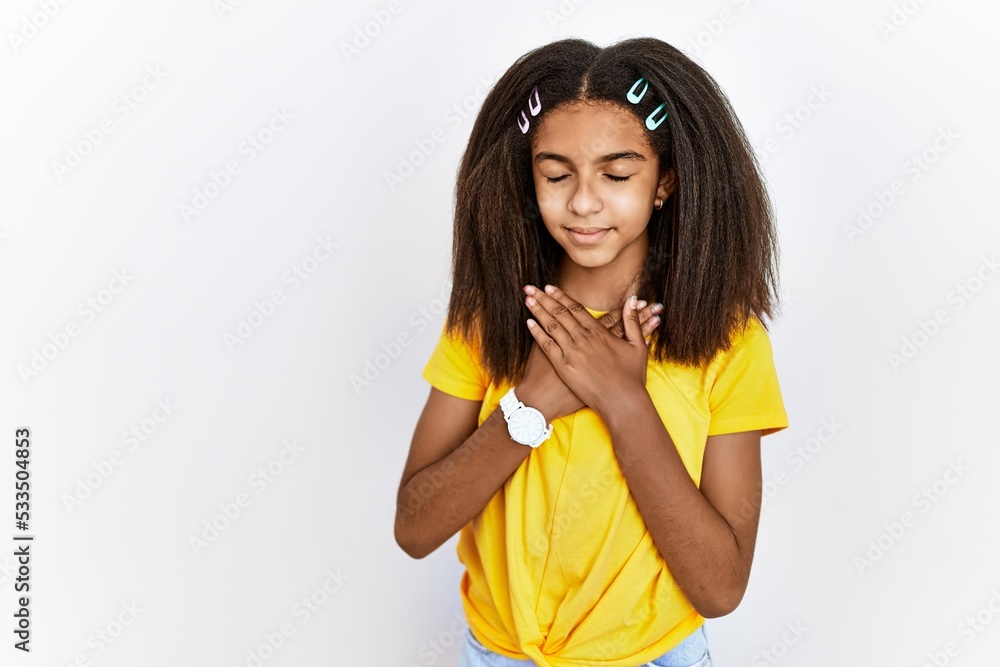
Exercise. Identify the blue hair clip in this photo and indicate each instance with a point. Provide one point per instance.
(649, 119)
(635, 98)
(632, 97)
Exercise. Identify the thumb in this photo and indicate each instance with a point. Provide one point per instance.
(630, 316)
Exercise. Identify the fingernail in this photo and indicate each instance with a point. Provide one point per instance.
(529, 289)
(642, 304)
(549, 289)
(654, 320)
(656, 307)
(631, 302)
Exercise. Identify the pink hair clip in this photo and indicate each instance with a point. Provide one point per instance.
(533, 107)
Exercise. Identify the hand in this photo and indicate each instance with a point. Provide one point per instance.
(542, 388)
(596, 366)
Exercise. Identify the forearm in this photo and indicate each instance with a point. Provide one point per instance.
(437, 501)
(696, 542)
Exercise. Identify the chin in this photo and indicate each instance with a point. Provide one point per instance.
(590, 260)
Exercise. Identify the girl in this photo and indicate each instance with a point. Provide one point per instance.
(602, 464)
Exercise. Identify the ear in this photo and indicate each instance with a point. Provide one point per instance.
(667, 184)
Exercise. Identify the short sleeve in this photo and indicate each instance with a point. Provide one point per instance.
(745, 394)
(454, 368)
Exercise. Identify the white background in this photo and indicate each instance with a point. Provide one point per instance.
(850, 302)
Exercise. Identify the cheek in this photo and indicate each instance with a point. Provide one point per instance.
(549, 206)
(546, 199)
(629, 206)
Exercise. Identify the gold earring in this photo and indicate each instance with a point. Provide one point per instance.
(659, 204)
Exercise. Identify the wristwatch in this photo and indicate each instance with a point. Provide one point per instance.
(525, 425)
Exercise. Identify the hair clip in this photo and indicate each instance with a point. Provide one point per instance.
(632, 97)
(649, 119)
(635, 98)
(534, 107)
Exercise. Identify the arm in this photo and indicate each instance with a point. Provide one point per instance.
(445, 485)
(705, 535)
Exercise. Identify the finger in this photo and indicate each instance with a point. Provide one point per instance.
(553, 326)
(649, 318)
(612, 320)
(633, 330)
(567, 309)
(649, 325)
(649, 328)
(545, 342)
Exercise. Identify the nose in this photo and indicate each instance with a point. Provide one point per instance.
(585, 200)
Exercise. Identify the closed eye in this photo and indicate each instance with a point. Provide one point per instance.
(617, 179)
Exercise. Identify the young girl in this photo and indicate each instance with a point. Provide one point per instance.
(600, 456)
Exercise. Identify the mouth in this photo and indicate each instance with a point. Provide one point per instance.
(587, 235)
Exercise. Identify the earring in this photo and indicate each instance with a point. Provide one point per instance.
(659, 204)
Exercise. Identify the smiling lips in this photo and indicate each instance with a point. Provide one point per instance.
(587, 235)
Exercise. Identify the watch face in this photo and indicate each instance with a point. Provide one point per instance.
(526, 425)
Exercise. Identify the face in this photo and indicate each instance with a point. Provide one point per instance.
(596, 179)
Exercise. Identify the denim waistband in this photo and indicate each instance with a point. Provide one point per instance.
(692, 648)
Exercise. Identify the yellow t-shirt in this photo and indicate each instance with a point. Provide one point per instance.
(560, 567)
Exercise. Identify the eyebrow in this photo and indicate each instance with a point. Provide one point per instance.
(610, 157)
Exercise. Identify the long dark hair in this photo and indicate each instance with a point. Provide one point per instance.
(712, 258)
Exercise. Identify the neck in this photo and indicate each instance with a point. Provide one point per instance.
(606, 287)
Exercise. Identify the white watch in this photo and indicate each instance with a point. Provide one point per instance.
(525, 425)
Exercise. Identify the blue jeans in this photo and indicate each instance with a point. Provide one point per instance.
(692, 652)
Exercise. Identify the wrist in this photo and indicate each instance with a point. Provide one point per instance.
(534, 399)
(623, 407)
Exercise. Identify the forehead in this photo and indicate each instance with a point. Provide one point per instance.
(589, 129)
